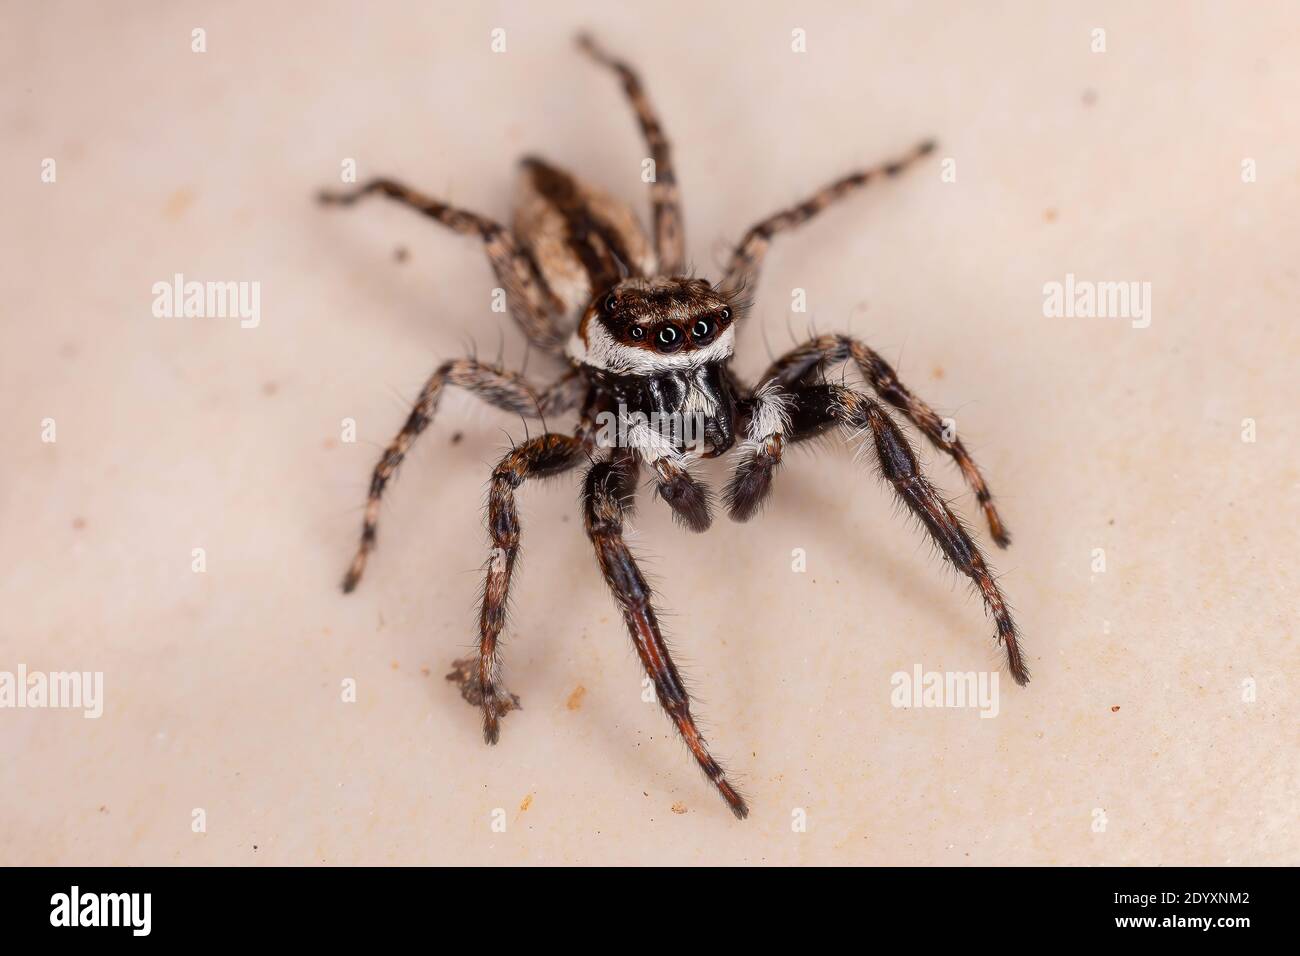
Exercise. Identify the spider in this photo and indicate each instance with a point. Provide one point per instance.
(644, 341)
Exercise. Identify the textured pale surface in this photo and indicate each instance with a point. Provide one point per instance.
(223, 689)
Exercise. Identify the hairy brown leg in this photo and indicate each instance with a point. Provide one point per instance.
(670, 236)
(531, 303)
(747, 258)
(540, 457)
(497, 386)
(812, 409)
(898, 464)
(607, 484)
(804, 363)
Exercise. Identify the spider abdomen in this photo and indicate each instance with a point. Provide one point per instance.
(582, 239)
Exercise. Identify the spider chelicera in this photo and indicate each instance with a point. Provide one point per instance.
(644, 342)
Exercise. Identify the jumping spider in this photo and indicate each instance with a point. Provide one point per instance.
(585, 284)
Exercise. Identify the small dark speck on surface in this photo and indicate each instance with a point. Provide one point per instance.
(270, 388)
(400, 254)
(457, 437)
(78, 523)
(1115, 709)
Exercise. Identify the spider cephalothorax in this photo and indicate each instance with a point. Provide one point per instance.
(649, 350)
(657, 350)
(648, 326)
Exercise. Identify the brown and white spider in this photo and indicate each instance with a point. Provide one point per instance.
(650, 339)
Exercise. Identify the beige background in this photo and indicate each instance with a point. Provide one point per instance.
(223, 688)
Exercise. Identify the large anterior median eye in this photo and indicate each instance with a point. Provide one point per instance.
(669, 339)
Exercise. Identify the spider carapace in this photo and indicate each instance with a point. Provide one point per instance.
(649, 347)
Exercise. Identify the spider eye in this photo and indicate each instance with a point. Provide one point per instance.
(702, 329)
(669, 339)
(725, 315)
(636, 332)
(610, 304)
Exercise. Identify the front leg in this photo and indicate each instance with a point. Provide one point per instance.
(808, 362)
(606, 490)
(811, 410)
(541, 457)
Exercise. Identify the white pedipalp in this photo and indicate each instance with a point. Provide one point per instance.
(771, 417)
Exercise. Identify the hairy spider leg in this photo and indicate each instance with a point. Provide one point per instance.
(541, 457)
(496, 386)
(809, 361)
(747, 258)
(531, 303)
(812, 409)
(606, 485)
(665, 198)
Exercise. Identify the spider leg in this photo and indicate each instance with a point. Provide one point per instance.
(747, 258)
(495, 385)
(804, 363)
(541, 457)
(814, 408)
(606, 486)
(532, 304)
(670, 237)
